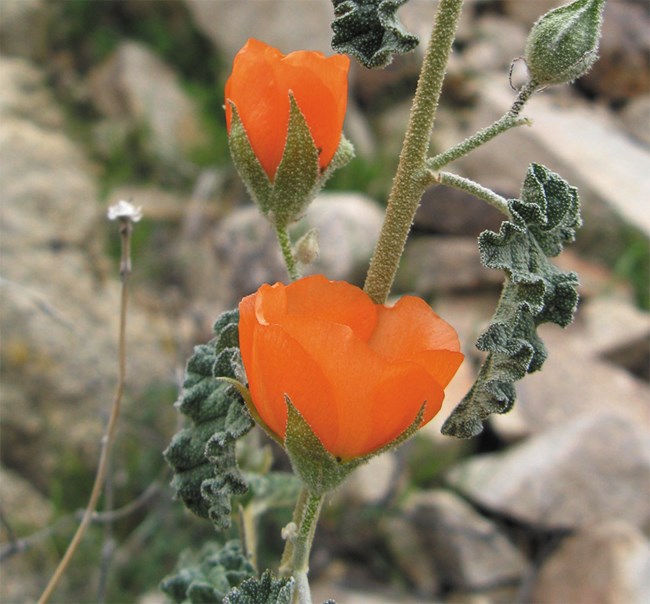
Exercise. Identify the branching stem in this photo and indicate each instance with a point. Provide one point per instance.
(479, 191)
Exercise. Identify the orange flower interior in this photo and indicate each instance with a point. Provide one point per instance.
(259, 87)
(357, 371)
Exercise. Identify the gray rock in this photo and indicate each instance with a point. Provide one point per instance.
(348, 225)
(59, 315)
(529, 11)
(635, 118)
(412, 555)
(468, 551)
(371, 483)
(23, 28)
(229, 23)
(433, 265)
(134, 86)
(606, 563)
(584, 146)
(580, 376)
(248, 252)
(623, 67)
(495, 42)
(590, 469)
(453, 212)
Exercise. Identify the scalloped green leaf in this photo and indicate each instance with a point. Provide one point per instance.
(370, 31)
(265, 590)
(202, 455)
(535, 292)
(209, 575)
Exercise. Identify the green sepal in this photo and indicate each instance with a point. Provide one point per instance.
(297, 176)
(202, 455)
(370, 31)
(563, 43)
(535, 292)
(318, 469)
(265, 590)
(257, 182)
(209, 575)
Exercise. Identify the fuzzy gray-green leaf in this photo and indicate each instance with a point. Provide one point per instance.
(202, 455)
(370, 31)
(535, 292)
(209, 575)
(265, 590)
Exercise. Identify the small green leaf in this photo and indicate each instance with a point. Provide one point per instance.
(251, 171)
(209, 575)
(265, 590)
(370, 31)
(203, 454)
(298, 173)
(535, 292)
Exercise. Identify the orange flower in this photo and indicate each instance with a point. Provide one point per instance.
(357, 371)
(259, 86)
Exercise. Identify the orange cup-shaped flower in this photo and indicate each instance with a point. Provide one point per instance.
(259, 86)
(358, 372)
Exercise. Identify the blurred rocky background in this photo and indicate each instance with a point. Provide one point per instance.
(101, 101)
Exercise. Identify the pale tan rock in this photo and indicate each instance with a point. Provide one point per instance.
(607, 563)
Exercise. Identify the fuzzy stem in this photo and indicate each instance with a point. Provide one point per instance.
(302, 547)
(479, 191)
(287, 252)
(509, 120)
(126, 227)
(408, 185)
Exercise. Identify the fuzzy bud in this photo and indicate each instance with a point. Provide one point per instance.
(307, 247)
(563, 44)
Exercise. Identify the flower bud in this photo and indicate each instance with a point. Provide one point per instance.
(307, 247)
(563, 44)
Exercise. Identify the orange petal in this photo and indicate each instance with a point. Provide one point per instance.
(411, 326)
(397, 399)
(281, 366)
(315, 296)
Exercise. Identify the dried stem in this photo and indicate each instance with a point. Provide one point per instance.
(126, 227)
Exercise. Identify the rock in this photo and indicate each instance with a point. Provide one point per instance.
(372, 483)
(453, 212)
(25, 94)
(623, 67)
(248, 252)
(23, 28)
(495, 42)
(584, 146)
(606, 563)
(59, 318)
(528, 12)
(635, 118)
(434, 265)
(579, 378)
(411, 554)
(229, 23)
(348, 225)
(134, 86)
(376, 594)
(590, 469)
(22, 505)
(468, 551)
